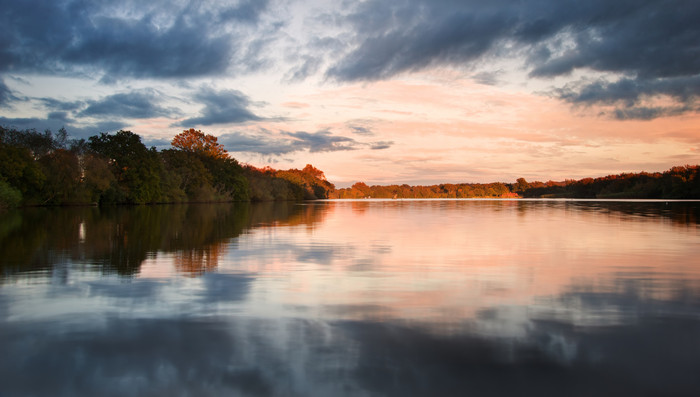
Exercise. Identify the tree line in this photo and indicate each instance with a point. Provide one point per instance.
(46, 168)
(682, 182)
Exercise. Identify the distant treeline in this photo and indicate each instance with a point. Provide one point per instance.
(43, 168)
(682, 182)
(677, 183)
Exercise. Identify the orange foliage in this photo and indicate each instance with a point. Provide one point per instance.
(196, 141)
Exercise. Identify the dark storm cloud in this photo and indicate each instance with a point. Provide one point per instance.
(221, 107)
(126, 39)
(138, 104)
(652, 44)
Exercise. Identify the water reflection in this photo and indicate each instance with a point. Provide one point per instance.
(120, 239)
(484, 298)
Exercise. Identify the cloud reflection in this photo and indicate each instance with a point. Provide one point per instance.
(244, 356)
(483, 298)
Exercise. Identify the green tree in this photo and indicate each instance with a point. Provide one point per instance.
(193, 177)
(9, 196)
(19, 170)
(136, 169)
(63, 173)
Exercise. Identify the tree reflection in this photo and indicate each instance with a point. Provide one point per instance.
(195, 262)
(120, 239)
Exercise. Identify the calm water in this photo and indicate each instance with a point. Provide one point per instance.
(363, 298)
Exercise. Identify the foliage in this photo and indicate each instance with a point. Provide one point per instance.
(447, 190)
(678, 182)
(19, 169)
(193, 178)
(63, 173)
(48, 169)
(136, 169)
(269, 184)
(227, 177)
(682, 182)
(195, 141)
(9, 196)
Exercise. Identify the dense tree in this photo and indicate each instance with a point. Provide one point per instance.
(97, 176)
(269, 184)
(206, 171)
(63, 176)
(19, 169)
(135, 167)
(678, 182)
(311, 180)
(194, 178)
(227, 177)
(9, 196)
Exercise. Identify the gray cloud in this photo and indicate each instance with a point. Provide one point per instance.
(308, 65)
(59, 105)
(361, 130)
(487, 78)
(287, 142)
(6, 94)
(652, 44)
(629, 93)
(31, 122)
(261, 143)
(322, 141)
(381, 145)
(137, 104)
(649, 113)
(246, 11)
(409, 35)
(160, 39)
(57, 120)
(221, 107)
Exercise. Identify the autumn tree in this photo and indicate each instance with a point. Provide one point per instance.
(196, 141)
(206, 170)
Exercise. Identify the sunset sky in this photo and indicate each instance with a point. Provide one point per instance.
(380, 91)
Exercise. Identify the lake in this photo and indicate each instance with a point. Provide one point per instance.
(356, 298)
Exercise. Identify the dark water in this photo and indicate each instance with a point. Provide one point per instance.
(366, 298)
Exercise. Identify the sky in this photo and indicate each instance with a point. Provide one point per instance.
(379, 91)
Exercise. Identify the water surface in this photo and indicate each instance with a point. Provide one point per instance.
(366, 298)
